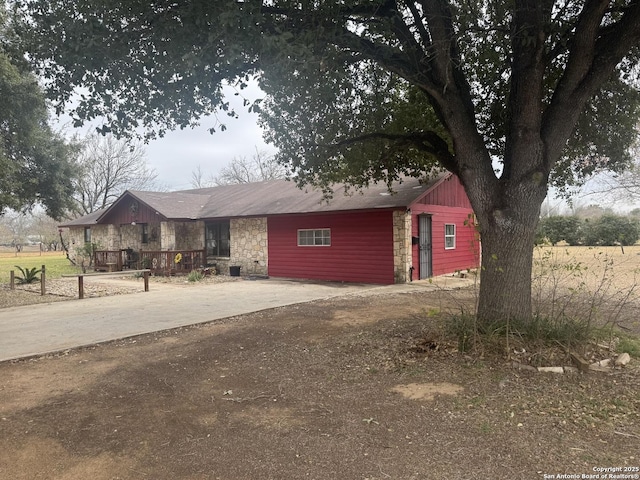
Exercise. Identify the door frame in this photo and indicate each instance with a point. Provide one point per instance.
(425, 246)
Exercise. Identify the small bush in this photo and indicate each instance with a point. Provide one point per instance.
(195, 276)
(558, 228)
(29, 275)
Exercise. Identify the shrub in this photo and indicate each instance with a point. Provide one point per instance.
(630, 345)
(84, 255)
(195, 276)
(612, 230)
(29, 275)
(560, 227)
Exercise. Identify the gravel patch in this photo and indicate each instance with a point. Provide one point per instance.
(60, 289)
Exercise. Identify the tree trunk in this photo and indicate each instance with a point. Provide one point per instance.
(505, 278)
(508, 217)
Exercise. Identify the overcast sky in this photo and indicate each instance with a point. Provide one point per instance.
(179, 153)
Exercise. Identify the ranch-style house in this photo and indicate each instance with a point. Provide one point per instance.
(417, 230)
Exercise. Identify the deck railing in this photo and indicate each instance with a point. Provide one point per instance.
(168, 262)
(108, 260)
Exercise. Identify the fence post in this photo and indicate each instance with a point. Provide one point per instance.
(43, 279)
(145, 275)
(80, 287)
(12, 280)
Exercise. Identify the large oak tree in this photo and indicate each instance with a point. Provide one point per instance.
(36, 164)
(510, 95)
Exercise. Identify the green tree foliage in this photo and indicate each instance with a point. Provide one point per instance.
(611, 230)
(604, 230)
(35, 162)
(360, 91)
(560, 227)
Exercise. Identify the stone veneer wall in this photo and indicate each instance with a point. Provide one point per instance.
(130, 237)
(104, 236)
(401, 245)
(248, 245)
(162, 236)
(76, 239)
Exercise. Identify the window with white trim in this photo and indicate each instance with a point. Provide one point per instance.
(449, 236)
(318, 237)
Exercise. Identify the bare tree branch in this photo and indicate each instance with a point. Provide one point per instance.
(260, 167)
(108, 168)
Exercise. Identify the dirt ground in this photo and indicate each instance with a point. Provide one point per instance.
(349, 388)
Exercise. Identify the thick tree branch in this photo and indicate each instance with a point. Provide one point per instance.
(593, 57)
(582, 47)
(406, 37)
(527, 80)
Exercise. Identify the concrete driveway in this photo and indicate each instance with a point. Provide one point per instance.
(45, 328)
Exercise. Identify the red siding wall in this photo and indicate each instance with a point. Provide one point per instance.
(449, 192)
(365, 256)
(467, 251)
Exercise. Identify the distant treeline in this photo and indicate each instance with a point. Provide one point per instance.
(605, 230)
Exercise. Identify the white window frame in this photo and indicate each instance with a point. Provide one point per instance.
(314, 237)
(449, 238)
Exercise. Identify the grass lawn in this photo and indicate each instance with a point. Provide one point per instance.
(56, 263)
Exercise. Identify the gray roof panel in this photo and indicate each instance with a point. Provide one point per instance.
(274, 197)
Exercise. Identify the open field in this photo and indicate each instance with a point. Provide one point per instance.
(621, 267)
(56, 263)
(598, 285)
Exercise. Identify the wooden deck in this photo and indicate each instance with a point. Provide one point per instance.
(169, 262)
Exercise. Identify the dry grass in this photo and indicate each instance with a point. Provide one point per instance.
(598, 285)
(619, 267)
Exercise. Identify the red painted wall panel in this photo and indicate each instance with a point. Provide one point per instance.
(363, 257)
(465, 255)
(449, 192)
